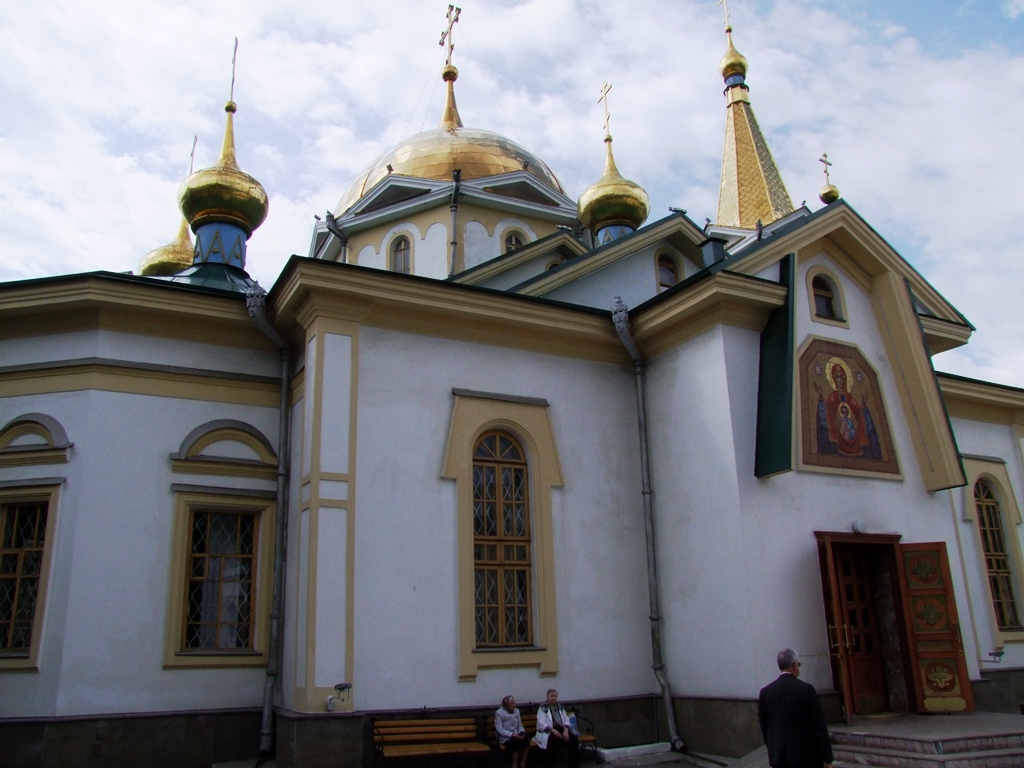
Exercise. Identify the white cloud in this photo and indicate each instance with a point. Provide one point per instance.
(1013, 8)
(101, 102)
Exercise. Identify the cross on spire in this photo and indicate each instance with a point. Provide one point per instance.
(824, 161)
(192, 155)
(605, 87)
(725, 5)
(234, 57)
(446, 33)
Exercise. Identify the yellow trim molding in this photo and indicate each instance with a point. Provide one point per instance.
(530, 423)
(923, 406)
(53, 450)
(184, 503)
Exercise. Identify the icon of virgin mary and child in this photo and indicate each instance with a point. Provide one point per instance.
(845, 426)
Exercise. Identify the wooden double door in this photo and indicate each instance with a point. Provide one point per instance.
(893, 632)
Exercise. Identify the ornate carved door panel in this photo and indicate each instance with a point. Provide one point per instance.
(933, 628)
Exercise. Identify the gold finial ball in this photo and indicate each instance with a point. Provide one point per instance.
(734, 62)
(829, 194)
(449, 73)
(231, 107)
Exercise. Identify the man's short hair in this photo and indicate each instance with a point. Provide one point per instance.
(786, 658)
(551, 690)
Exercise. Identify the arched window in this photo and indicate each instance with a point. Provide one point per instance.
(400, 252)
(501, 542)
(997, 559)
(824, 298)
(513, 241)
(668, 272)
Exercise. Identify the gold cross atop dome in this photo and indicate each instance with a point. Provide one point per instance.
(725, 6)
(605, 87)
(830, 192)
(446, 33)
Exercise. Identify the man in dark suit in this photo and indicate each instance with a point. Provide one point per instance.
(792, 720)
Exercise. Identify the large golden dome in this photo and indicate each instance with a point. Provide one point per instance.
(435, 154)
(733, 62)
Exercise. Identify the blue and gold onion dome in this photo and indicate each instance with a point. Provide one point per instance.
(224, 193)
(613, 200)
(733, 63)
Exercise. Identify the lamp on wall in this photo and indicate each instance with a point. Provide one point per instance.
(342, 690)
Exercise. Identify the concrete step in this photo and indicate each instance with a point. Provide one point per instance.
(880, 757)
(929, 745)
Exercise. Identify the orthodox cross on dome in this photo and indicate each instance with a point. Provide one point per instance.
(192, 155)
(234, 58)
(605, 87)
(725, 5)
(446, 34)
(824, 161)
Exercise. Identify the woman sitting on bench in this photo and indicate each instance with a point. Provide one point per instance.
(511, 734)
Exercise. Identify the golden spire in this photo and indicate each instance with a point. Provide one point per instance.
(450, 119)
(612, 199)
(171, 258)
(752, 190)
(224, 192)
(830, 192)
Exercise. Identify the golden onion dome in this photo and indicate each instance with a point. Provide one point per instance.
(734, 62)
(613, 199)
(435, 154)
(829, 194)
(170, 259)
(223, 192)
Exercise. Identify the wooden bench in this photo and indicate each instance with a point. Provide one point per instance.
(583, 725)
(442, 737)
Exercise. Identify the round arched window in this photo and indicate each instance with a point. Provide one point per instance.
(668, 273)
(400, 252)
(513, 240)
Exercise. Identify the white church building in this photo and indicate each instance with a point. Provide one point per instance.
(487, 438)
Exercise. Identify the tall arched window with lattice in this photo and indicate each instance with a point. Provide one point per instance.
(501, 542)
(997, 558)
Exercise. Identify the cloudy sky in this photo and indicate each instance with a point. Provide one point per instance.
(917, 102)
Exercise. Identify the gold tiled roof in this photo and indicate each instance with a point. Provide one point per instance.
(752, 188)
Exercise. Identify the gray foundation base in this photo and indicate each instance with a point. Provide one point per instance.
(999, 690)
(168, 740)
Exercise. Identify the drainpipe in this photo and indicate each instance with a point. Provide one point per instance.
(255, 302)
(620, 317)
(457, 179)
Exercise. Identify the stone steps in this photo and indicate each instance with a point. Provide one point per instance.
(855, 750)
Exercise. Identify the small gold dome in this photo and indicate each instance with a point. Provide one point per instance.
(829, 194)
(223, 192)
(170, 259)
(613, 199)
(734, 62)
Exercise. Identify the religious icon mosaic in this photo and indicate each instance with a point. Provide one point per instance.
(843, 419)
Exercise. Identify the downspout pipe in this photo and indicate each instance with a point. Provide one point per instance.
(620, 317)
(456, 189)
(256, 303)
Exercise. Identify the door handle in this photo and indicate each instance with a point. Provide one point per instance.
(833, 637)
(846, 632)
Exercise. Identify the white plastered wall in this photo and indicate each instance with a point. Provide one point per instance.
(479, 245)
(406, 569)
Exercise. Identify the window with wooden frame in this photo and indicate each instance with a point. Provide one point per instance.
(26, 540)
(513, 241)
(501, 542)
(997, 558)
(401, 253)
(221, 569)
(824, 298)
(668, 272)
